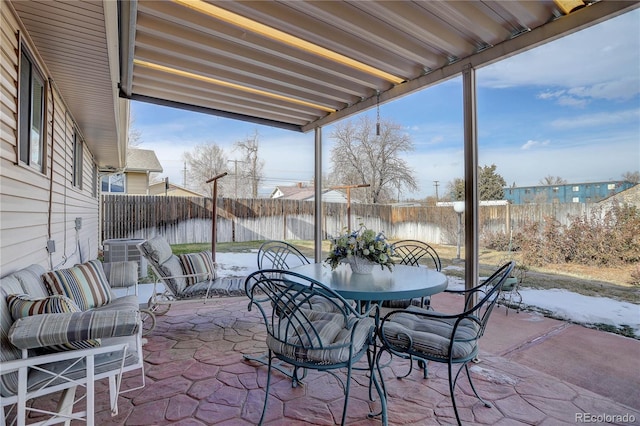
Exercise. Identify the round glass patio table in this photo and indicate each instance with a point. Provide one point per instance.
(403, 282)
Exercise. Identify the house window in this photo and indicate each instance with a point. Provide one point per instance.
(611, 186)
(113, 183)
(576, 199)
(31, 113)
(94, 182)
(556, 189)
(576, 188)
(77, 161)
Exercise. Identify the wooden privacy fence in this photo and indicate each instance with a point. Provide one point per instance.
(188, 219)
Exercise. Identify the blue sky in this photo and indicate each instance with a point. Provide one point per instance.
(570, 108)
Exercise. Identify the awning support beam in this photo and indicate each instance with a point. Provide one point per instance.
(470, 119)
(317, 229)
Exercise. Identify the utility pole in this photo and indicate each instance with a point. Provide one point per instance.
(236, 175)
(436, 183)
(184, 175)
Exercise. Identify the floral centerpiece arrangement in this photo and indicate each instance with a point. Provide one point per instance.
(361, 245)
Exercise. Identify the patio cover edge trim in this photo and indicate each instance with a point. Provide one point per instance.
(211, 111)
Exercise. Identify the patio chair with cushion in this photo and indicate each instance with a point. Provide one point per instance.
(275, 254)
(185, 278)
(307, 338)
(413, 253)
(450, 339)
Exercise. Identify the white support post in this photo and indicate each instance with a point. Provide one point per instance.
(317, 232)
(472, 269)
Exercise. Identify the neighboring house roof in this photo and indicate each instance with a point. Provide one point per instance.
(295, 192)
(301, 192)
(158, 188)
(142, 160)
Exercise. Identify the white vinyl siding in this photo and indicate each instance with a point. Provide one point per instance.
(137, 183)
(36, 207)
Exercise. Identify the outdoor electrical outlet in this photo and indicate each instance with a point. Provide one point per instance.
(78, 223)
(51, 246)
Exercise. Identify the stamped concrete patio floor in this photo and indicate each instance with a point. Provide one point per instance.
(534, 370)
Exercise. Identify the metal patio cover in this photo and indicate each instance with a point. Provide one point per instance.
(303, 64)
(291, 64)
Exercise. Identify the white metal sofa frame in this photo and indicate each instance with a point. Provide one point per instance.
(25, 375)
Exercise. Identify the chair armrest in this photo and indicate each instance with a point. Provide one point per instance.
(54, 329)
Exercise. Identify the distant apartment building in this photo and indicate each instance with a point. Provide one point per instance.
(590, 192)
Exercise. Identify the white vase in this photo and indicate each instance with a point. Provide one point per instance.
(361, 265)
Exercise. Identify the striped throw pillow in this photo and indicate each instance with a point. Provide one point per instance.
(23, 305)
(200, 264)
(85, 284)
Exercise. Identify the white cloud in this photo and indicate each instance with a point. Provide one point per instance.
(572, 101)
(599, 119)
(602, 61)
(531, 143)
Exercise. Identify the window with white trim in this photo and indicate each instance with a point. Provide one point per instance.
(94, 181)
(31, 110)
(113, 183)
(78, 152)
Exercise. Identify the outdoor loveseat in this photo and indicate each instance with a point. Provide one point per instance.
(62, 329)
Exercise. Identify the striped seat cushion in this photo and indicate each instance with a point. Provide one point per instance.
(199, 266)
(431, 336)
(121, 274)
(85, 284)
(330, 342)
(22, 305)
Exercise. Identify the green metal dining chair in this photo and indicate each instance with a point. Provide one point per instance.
(414, 253)
(438, 337)
(276, 254)
(307, 338)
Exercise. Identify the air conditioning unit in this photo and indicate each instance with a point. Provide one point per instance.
(123, 249)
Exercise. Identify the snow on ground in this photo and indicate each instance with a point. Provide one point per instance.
(574, 307)
(562, 304)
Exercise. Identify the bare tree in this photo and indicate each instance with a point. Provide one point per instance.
(553, 180)
(633, 177)
(359, 156)
(204, 162)
(456, 189)
(250, 172)
(135, 134)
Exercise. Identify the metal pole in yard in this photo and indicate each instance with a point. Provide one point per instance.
(348, 188)
(214, 213)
